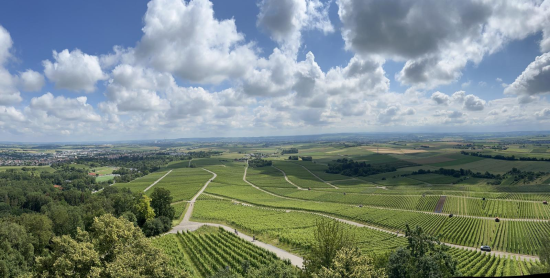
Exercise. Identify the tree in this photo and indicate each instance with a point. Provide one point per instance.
(113, 247)
(330, 236)
(40, 227)
(350, 263)
(16, 250)
(425, 256)
(275, 269)
(143, 209)
(161, 201)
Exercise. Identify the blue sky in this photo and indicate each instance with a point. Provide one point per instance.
(266, 67)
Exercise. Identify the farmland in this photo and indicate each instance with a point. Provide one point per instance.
(458, 207)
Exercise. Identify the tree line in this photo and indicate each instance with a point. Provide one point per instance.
(348, 167)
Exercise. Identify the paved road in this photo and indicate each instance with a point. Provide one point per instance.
(149, 187)
(287, 180)
(186, 225)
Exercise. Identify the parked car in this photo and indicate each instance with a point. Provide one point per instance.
(485, 248)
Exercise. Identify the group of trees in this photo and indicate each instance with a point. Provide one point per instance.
(258, 162)
(459, 173)
(348, 167)
(287, 151)
(334, 255)
(502, 157)
(38, 220)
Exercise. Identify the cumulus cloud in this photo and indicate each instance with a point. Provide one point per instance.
(69, 109)
(437, 38)
(74, 70)
(285, 19)
(534, 80)
(388, 115)
(440, 98)
(31, 81)
(473, 103)
(8, 92)
(543, 114)
(184, 38)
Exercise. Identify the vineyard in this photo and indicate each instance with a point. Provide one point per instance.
(213, 251)
(183, 183)
(282, 215)
(482, 264)
(299, 175)
(139, 184)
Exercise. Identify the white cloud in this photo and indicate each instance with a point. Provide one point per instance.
(543, 114)
(75, 70)
(534, 80)
(473, 103)
(8, 92)
(185, 39)
(68, 109)
(31, 81)
(437, 38)
(285, 19)
(466, 84)
(440, 98)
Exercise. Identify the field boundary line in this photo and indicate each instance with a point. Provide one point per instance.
(317, 176)
(387, 208)
(286, 178)
(361, 225)
(149, 187)
(186, 225)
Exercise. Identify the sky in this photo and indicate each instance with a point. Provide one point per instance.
(136, 69)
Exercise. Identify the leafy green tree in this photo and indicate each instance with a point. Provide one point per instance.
(65, 219)
(16, 250)
(70, 258)
(275, 269)
(330, 236)
(143, 209)
(161, 201)
(425, 256)
(40, 227)
(113, 247)
(350, 263)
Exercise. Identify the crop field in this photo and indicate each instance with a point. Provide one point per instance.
(299, 175)
(291, 228)
(377, 207)
(482, 264)
(210, 252)
(496, 208)
(183, 183)
(139, 184)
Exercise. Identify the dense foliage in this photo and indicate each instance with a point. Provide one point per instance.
(348, 167)
(287, 151)
(258, 162)
(424, 256)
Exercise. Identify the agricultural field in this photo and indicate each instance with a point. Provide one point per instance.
(432, 185)
(183, 183)
(140, 184)
(209, 250)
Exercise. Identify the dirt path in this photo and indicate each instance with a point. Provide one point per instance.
(318, 177)
(187, 225)
(286, 178)
(440, 204)
(149, 187)
(189, 166)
